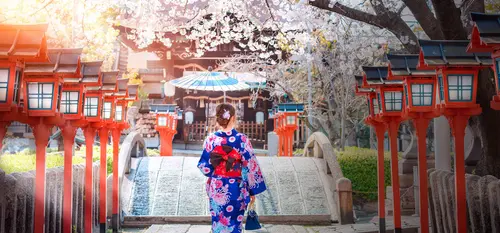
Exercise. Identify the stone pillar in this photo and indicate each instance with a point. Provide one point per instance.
(3, 130)
(344, 189)
(442, 144)
(272, 144)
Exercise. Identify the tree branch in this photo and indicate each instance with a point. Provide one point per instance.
(425, 18)
(348, 12)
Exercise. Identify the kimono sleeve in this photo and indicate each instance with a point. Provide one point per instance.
(251, 171)
(204, 164)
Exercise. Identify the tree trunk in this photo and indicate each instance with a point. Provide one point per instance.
(487, 127)
(342, 128)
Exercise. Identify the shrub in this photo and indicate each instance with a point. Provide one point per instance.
(25, 160)
(360, 166)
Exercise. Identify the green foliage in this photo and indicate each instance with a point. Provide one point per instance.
(153, 152)
(360, 166)
(25, 160)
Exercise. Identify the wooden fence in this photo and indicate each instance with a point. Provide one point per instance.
(198, 130)
(300, 137)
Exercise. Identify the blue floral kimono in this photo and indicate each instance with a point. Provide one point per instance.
(229, 195)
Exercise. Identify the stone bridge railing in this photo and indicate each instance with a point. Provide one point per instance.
(17, 200)
(483, 202)
(319, 146)
(133, 146)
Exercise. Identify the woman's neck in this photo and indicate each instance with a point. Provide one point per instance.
(227, 129)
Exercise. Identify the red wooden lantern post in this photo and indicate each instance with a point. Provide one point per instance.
(390, 99)
(71, 106)
(371, 97)
(289, 117)
(419, 92)
(485, 39)
(120, 110)
(21, 43)
(166, 125)
(91, 78)
(109, 80)
(42, 87)
(457, 74)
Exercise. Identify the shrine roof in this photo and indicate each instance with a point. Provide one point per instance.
(406, 65)
(451, 53)
(375, 74)
(359, 80)
(162, 108)
(91, 72)
(61, 61)
(488, 26)
(109, 80)
(23, 41)
(122, 87)
(132, 91)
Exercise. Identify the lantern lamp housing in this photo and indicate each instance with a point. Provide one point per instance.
(457, 71)
(485, 38)
(20, 44)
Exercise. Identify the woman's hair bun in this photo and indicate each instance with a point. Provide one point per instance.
(224, 112)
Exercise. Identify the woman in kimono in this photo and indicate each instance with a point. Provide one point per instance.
(234, 176)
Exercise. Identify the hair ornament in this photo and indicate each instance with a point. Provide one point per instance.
(226, 114)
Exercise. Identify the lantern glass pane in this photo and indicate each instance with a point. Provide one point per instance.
(40, 95)
(460, 87)
(497, 63)
(422, 94)
(91, 106)
(162, 121)
(290, 120)
(259, 117)
(69, 102)
(441, 88)
(393, 100)
(4, 84)
(376, 106)
(119, 113)
(189, 118)
(15, 97)
(106, 110)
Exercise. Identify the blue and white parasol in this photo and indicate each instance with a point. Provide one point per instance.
(209, 81)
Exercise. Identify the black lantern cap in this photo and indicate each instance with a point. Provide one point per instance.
(488, 26)
(451, 53)
(406, 65)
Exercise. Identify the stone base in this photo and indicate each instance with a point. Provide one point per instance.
(406, 165)
(407, 201)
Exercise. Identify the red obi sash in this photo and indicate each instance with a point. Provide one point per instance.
(226, 161)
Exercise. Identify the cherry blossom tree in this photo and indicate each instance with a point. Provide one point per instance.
(438, 20)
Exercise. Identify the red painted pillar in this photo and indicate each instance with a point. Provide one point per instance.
(280, 143)
(3, 131)
(103, 135)
(285, 139)
(458, 124)
(421, 125)
(42, 134)
(396, 202)
(380, 133)
(115, 210)
(89, 133)
(68, 134)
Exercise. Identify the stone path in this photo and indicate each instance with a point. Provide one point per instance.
(410, 225)
(173, 186)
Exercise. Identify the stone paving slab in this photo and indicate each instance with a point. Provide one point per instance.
(410, 225)
(173, 186)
